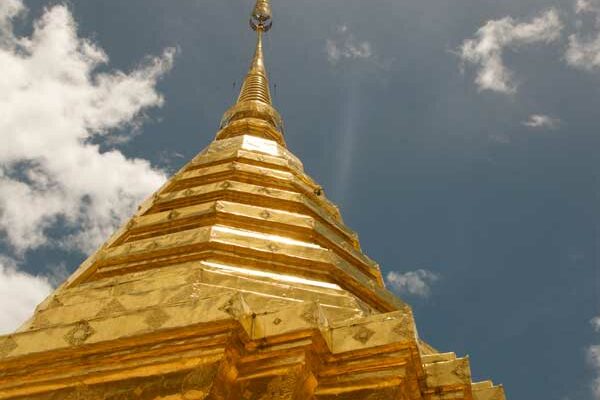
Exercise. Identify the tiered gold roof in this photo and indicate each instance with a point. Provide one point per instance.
(236, 280)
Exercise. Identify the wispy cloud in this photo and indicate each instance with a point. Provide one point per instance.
(593, 359)
(583, 52)
(595, 322)
(9, 9)
(343, 45)
(56, 107)
(486, 49)
(19, 294)
(417, 283)
(540, 121)
(587, 6)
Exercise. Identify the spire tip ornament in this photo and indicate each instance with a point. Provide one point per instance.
(254, 101)
(261, 16)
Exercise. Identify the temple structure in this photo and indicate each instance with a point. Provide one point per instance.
(236, 280)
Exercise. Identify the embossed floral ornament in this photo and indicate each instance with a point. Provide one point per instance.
(363, 334)
(7, 345)
(79, 333)
(156, 318)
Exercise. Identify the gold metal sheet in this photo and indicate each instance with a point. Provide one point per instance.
(448, 373)
(486, 391)
(194, 211)
(373, 331)
(259, 214)
(100, 330)
(237, 191)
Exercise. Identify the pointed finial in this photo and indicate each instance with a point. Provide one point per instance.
(261, 16)
(254, 100)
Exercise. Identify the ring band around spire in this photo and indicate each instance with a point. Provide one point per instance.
(254, 101)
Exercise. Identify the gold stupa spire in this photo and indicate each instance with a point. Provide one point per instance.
(256, 84)
(236, 280)
(254, 100)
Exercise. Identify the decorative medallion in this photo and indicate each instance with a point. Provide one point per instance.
(55, 302)
(39, 322)
(264, 190)
(153, 245)
(156, 318)
(273, 247)
(225, 185)
(7, 345)
(277, 321)
(79, 333)
(404, 328)
(113, 307)
(462, 372)
(309, 315)
(188, 192)
(363, 334)
(173, 214)
(265, 214)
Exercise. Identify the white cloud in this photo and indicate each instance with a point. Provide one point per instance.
(8, 10)
(584, 52)
(542, 121)
(582, 6)
(593, 357)
(55, 104)
(413, 282)
(345, 46)
(486, 49)
(595, 322)
(19, 294)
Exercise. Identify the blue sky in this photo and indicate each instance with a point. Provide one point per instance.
(460, 140)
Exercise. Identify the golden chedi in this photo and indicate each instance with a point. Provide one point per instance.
(236, 280)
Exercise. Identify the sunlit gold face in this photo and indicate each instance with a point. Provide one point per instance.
(279, 277)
